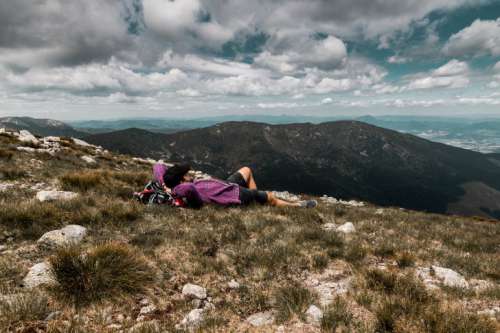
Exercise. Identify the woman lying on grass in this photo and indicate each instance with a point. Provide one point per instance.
(238, 189)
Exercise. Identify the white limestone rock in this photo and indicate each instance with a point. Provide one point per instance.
(314, 315)
(261, 319)
(39, 274)
(55, 195)
(192, 320)
(233, 284)
(81, 142)
(346, 228)
(26, 149)
(434, 275)
(70, 234)
(194, 291)
(88, 159)
(51, 139)
(26, 136)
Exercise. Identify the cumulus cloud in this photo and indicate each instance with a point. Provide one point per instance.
(480, 38)
(451, 75)
(113, 76)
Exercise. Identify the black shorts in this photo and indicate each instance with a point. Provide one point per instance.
(247, 196)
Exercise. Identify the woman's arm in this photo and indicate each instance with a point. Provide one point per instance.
(190, 193)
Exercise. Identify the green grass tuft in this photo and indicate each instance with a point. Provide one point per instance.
(106, 271)
(292, 299)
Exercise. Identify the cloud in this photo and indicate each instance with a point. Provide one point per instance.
(480, 38)
(395, 59)
(451, 75)
(62, 32)
(452, 68)
(114, 76)
(327, 100)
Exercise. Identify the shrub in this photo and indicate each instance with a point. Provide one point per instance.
(320, 261)
(336, 315)
(405, 259)
(251, 301)
(10, 274)
(292, 299)
(6, 154)
(106, 271)
(83, 181)
(457, 321)
(22, 309)
(11, 173)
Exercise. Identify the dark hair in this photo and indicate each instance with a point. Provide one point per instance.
(174, 175)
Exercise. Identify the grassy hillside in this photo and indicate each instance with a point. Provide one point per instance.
(129, 272)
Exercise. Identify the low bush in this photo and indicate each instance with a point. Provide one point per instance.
(337, 316)
(21, 311)
(105, 271)
(10, 173)
(292, 299)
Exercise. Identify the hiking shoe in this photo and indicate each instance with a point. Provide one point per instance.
(308, 203)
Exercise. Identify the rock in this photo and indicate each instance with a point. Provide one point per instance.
(434, 275)
(70, 234)
(55, 195)
(81, 142)
(147, 309)
(144, 302)
(51, 139)
(26, 136)
(53, 315)
(314, 315)
(329, 226)
(490, 312)
(379, 211)
(5, 186)
(261, 319)
(26, 149)
(285, 195)
(480, 285)
(39, 274)
(233, 284)
(333, 201)
(346, 228)
(194, 291)
(192, 320)
(3, 248)
(88, 159)
(327, 291)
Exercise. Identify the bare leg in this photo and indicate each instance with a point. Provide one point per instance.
(247, 174)
(273, 201)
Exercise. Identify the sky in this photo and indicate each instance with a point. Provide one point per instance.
(110, 59)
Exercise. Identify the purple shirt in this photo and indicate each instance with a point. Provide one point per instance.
(208, 191)
(159, 170)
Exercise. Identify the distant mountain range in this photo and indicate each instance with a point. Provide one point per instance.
(346, 159)
(43, 127)
(475, 134)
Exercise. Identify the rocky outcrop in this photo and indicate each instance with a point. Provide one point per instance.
(194, 291)
(70, 234)
(433, 276)
(39, 274)
(55, 195)
(261, 319)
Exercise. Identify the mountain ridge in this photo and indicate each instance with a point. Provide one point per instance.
(346, 159)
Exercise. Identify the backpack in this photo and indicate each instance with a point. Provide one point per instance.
(154, 194)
